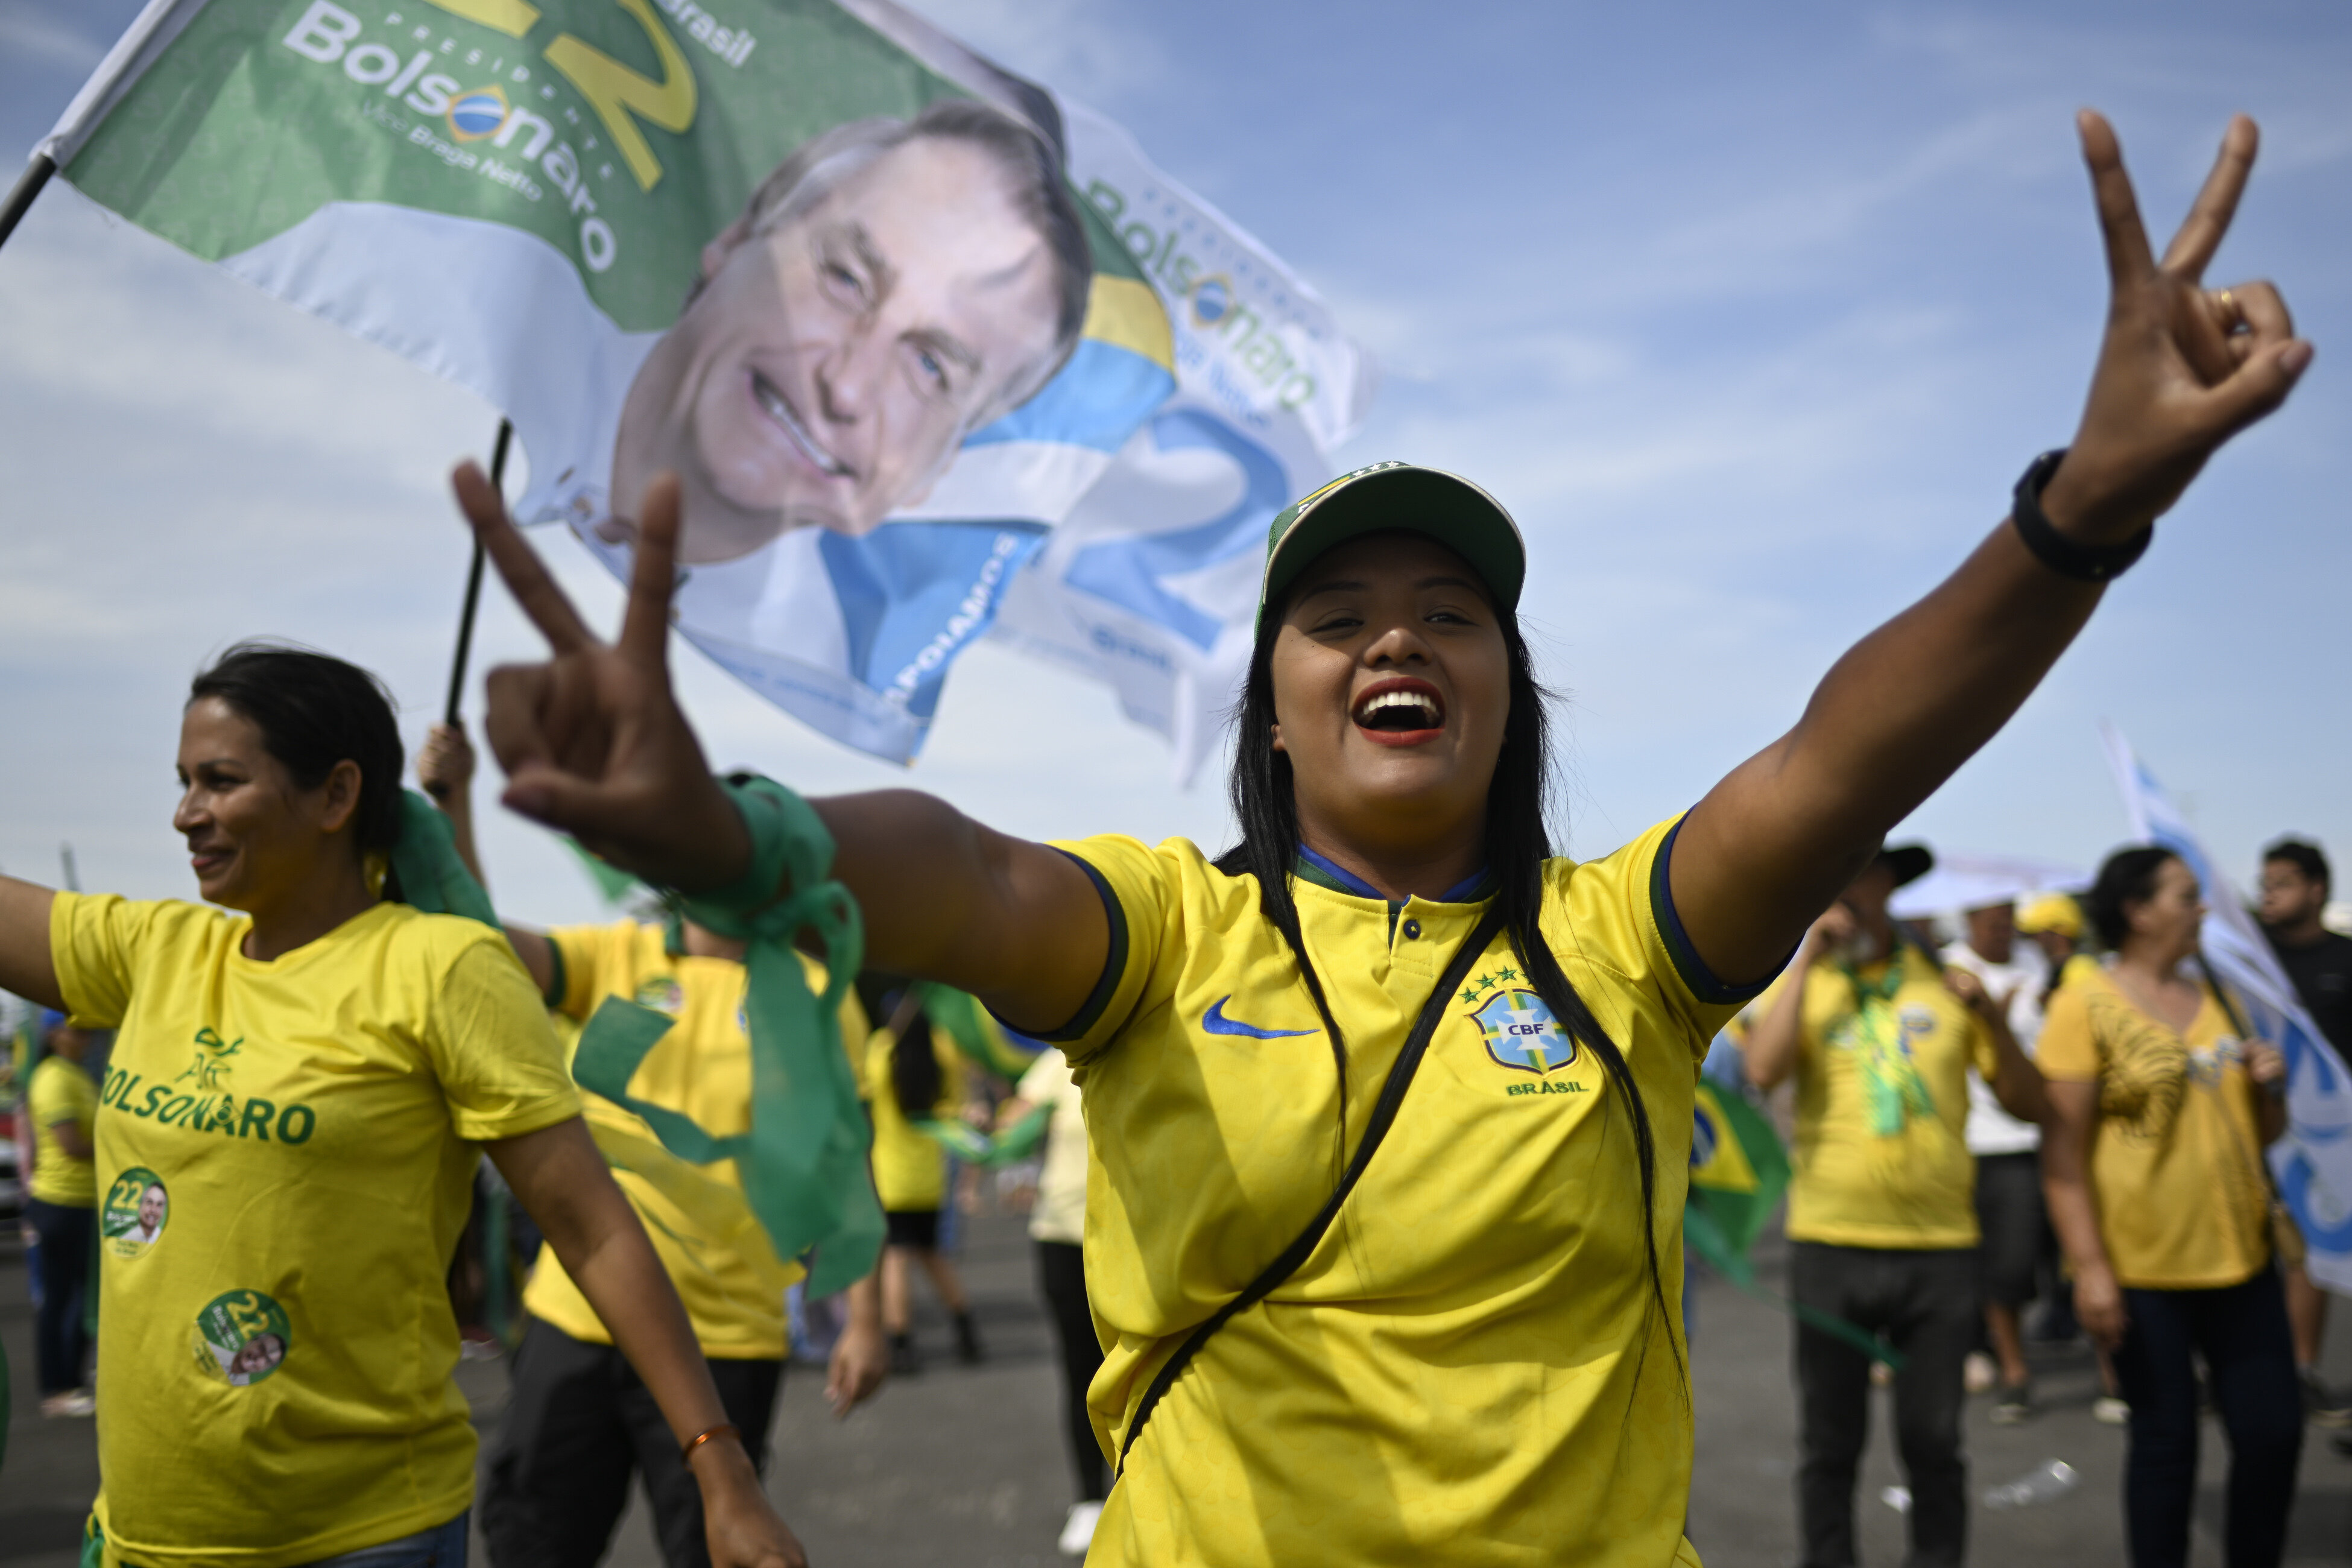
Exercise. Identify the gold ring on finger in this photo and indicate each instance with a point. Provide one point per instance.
(2231, 311)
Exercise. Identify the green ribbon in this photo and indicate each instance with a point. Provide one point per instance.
(433, 877)
(1892, 1089)
(803, 1163)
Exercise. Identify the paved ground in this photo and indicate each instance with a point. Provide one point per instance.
(965, 1465)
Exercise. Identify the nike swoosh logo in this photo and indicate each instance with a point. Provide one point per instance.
(1216, 1022)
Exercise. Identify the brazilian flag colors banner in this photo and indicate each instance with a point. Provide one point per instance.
(936, 353)
(1738, 1172)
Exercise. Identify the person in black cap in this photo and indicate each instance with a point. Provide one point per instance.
(1882, 1211)
(1391, 1105)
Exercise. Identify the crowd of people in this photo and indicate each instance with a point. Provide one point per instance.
(1381, 1107)
(2077, 1118)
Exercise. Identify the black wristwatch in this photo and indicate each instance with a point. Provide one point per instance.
(2067, 557)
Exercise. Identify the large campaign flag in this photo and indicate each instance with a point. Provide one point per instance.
(2312, 1163)
(935, 353)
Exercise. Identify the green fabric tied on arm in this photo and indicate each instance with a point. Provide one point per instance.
(803, 1163)
(431, 875)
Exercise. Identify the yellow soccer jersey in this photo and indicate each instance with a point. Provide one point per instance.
(61, 1091)
(1882, 1059)
(286, 1153)
(702, 1068)
(910, 1171)
(2182, 1204)
(1473, 1366)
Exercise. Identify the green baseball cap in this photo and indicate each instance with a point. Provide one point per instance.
(1437, 505)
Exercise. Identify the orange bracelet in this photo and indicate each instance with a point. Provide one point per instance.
(724, 1429)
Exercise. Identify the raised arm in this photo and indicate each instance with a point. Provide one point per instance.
(445, 766)
(594, 743)
(2181, 370)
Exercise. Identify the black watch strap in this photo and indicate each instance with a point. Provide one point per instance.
(2067, 557)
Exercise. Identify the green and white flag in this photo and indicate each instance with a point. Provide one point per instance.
(934, 352)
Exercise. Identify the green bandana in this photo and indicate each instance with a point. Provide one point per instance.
(803, 1163)
(432, 877)
(1892, 1089)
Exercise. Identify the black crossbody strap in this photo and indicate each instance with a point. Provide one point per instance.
(1384, 1115)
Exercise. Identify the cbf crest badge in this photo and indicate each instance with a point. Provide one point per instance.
(1521, 1032)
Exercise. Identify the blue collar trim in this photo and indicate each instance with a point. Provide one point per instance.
(1467, 890)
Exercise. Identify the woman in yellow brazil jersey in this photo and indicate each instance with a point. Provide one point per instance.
(286, 1143)
(2160, 1108)
(1390, 1107)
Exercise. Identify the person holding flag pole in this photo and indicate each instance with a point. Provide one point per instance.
(285, 1144)
(1389, 1103)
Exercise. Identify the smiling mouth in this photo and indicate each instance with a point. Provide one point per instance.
(1400, 709)
(772, 400)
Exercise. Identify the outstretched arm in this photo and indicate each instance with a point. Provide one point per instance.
(2181, 370)
(593, 742)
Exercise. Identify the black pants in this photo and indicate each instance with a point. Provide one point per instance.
(61, 1334)
(1925, 1305)
(2242, 1333)
(2010, 1216)
(578, 1423)
(1062, 1274)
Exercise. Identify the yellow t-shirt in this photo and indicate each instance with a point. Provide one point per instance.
(702, 1069)
(288, 1154)
(910, 1171)
(2181, 1204)
(1472, 1367)
(60, 1091)
(1881, 1158)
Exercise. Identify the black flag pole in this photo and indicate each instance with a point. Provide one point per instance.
(474, 583)
(20, 199)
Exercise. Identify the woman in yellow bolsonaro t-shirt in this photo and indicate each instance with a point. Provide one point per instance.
(1344, 1325)
(61, 1196)
(286, 1142)
(2153, 1161)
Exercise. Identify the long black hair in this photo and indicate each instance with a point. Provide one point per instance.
(1517, 844)
(916, 1079)
(315, 710)
(2126, 877)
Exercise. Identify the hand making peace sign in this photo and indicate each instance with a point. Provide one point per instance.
(593, 742)
(2183, 367)
(592, 739)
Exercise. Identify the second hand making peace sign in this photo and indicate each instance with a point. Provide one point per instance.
(595, 743)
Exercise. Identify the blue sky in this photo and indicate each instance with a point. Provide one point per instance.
(1752, 315)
